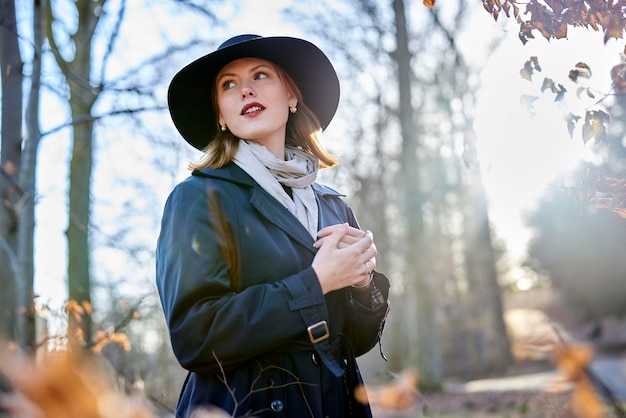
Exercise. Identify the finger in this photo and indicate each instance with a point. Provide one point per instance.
(351, 235)
(344, 242)
(330, 229)
(333, 239)
(372, 263)
(327, 231)
(347, 240)
(351, 231)
(365, 243)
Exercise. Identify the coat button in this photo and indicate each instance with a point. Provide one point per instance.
(277, 405)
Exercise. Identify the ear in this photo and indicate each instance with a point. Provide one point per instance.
(293, 102)
(220, 119)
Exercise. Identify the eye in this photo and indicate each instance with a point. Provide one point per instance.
(228, 84)
(260, 76)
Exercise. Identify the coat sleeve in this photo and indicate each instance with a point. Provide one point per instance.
(364, 324)
(211, 324)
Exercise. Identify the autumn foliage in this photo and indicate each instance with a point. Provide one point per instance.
(401, 394)
(552, 18)
(573, 361)
(594, 186)
(65, 384)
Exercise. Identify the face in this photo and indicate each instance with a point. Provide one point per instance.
(253, 101)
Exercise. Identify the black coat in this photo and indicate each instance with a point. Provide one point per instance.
(245, 310)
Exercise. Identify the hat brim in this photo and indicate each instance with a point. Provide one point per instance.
(189, 94)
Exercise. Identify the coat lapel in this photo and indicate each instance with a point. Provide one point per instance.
(277, 214)
(267, 206)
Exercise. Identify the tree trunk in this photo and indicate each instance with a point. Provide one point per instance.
(78, 226)
(423, 349)
(489, 334)
(28, 185)
(83, 95)
(10, 152)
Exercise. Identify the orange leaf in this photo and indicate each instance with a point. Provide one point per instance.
(398, 395)
(561, 31)
(79, 335)
(595, 125)
(585, 401)
(87, 307)
(73, 308)
(63, 384)
(121, 339)
(620, 211)
(572, 360)
(581, 65)
(618, 76)
(506, 7)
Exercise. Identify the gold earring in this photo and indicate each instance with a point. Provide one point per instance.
(223, 127)
(293, 109)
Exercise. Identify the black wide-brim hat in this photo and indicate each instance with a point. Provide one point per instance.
(189, 95)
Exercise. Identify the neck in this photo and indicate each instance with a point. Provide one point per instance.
(277, 148)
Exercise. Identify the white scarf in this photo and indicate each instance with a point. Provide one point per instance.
(298, 171)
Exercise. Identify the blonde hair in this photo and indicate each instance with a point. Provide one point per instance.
(303, 130)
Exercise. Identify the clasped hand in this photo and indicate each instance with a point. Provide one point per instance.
(346, 255)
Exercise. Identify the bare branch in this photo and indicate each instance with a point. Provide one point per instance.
(114, 34)
(156, 59)
(254, 390)
(201, 10)
(93, 118)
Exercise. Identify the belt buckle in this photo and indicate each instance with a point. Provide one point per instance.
(314, 327)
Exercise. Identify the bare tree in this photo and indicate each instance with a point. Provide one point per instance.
(83, 90)
(11, 67)
(26, 227)
(410, 87)
(479, 325)
(84, 70)
(426, 354)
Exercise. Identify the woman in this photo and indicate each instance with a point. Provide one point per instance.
(267, 284)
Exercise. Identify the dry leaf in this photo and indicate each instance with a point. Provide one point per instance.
(618, 76)
(103, 339)
(64, 385)
(73, 308)
(585, 401)
(399, 395)
(87, 307)
(573, 362)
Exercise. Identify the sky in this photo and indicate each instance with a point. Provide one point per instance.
(521, 154)
(524, 153)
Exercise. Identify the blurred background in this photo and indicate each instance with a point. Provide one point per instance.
(486, 153)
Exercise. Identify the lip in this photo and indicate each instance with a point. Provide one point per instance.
(249, 106)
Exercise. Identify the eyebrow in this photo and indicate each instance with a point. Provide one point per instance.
(253, 69)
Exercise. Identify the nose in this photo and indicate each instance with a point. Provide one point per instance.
(247, 91)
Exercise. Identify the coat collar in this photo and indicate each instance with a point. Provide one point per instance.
(269, 207)
(232, 172)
